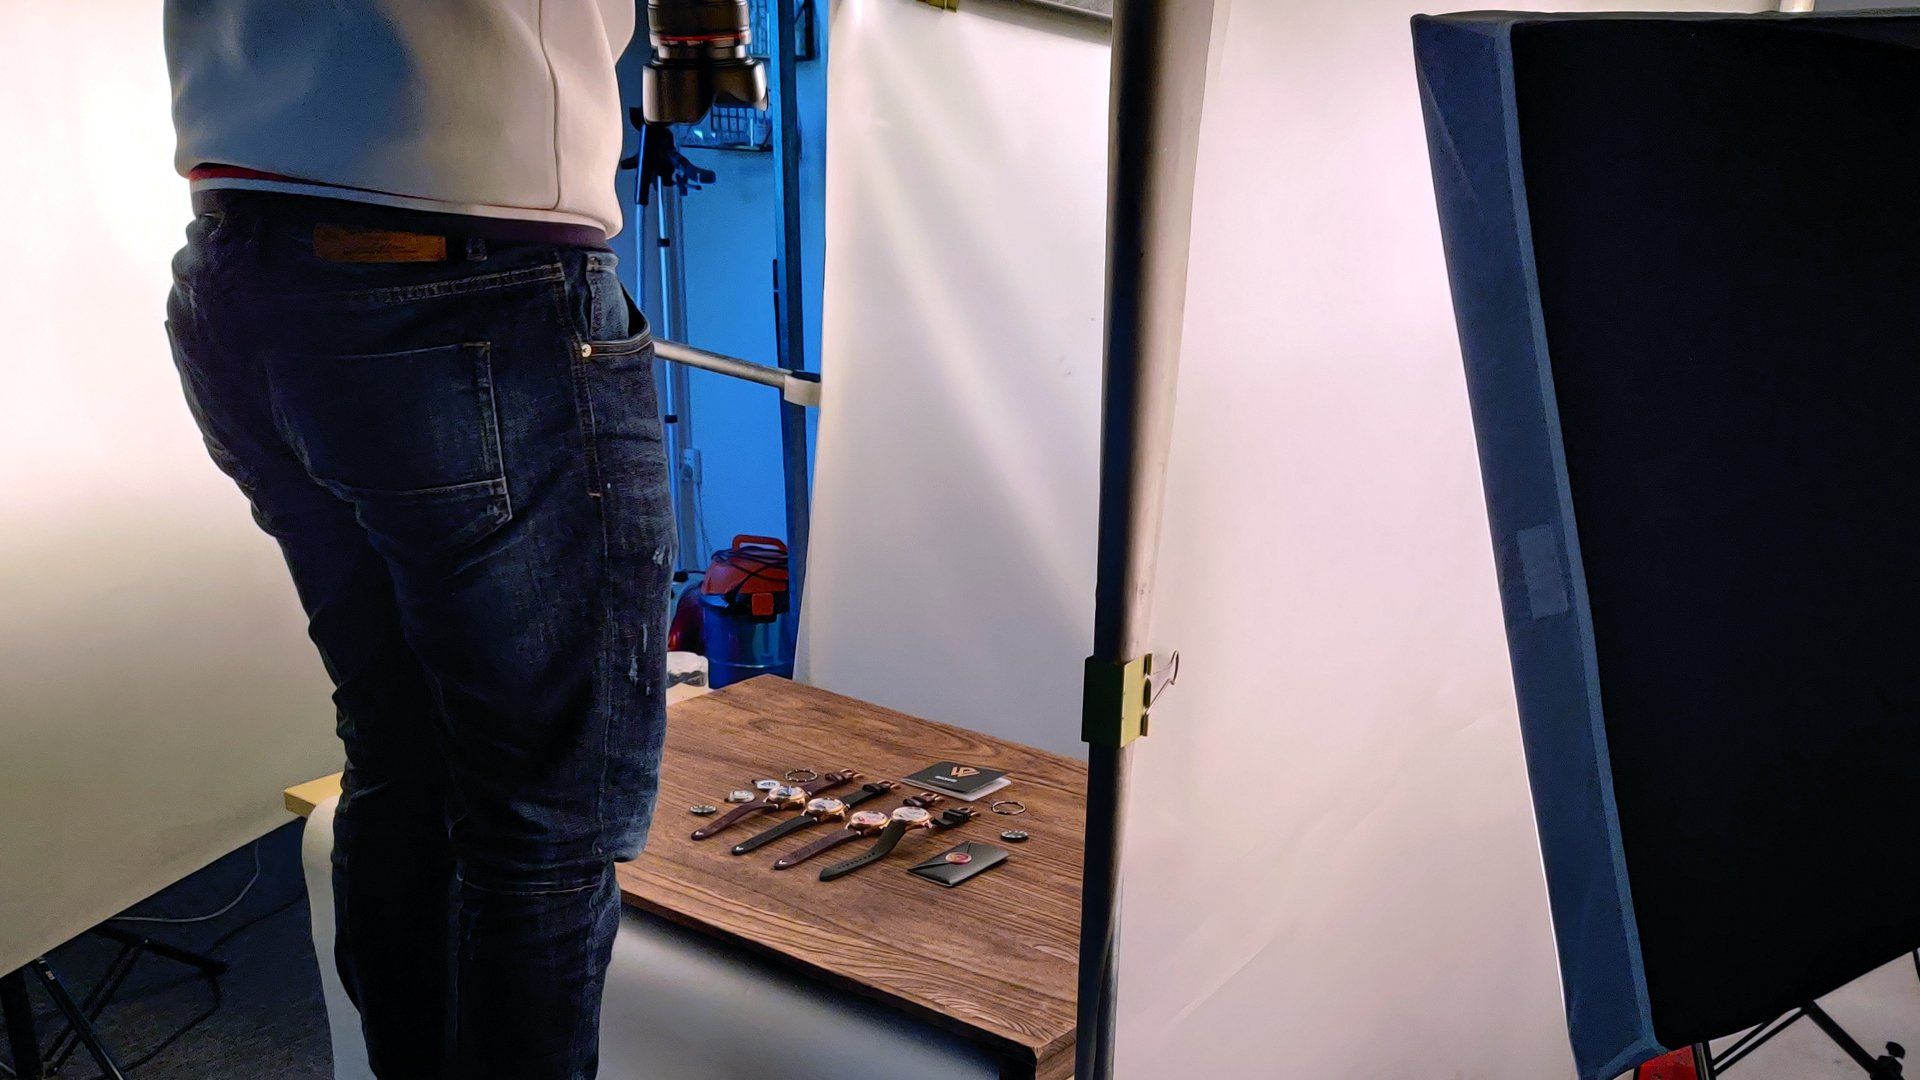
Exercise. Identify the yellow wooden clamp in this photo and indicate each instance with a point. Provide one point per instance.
(1114, 705)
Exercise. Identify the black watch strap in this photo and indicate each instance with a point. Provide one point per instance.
(867, 791)
(889, 839)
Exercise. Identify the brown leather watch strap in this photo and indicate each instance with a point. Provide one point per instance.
(732, 817)
(831, 780)
(765, 804)
(807, 820)
(826, 843)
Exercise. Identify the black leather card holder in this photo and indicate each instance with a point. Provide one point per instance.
(960, 862)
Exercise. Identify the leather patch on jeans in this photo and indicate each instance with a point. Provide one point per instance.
(348, 244)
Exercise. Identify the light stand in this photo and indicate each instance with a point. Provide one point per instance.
(29, 1062)
(1887, 1066)
(1159, 82)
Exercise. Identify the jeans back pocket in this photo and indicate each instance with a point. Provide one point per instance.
(411, 438)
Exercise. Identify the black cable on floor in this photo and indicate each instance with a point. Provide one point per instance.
(253, 922)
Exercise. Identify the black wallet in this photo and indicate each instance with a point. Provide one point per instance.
(960, 862)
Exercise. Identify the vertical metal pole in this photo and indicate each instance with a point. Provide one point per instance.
(21, 1035)
(791, 326)
(672, 285)
(1159, 80)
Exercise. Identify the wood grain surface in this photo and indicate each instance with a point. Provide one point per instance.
(992, 960)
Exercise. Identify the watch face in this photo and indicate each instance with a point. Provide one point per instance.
(768, 785)
(825, 806)
(781, 793)
(868, 819)
(911, 815)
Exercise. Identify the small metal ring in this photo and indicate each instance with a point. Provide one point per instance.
(792, 776)
(1009, 802)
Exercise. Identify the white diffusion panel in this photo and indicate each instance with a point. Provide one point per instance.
(1331, 868)
(159, 690)
(952, 551)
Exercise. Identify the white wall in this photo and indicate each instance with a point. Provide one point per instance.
(156, 686)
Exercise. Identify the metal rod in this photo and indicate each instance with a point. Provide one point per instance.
(21, 1035)
(207, 965)
(1159, 83)
(89, 1037)
(1754, 1040)
(1871, 1065)
(95, 1003)
(672, 283)
(791, 324)
(796, 387)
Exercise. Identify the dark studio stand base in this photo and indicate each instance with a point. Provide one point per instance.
(1885, 1067)
(30, 1061)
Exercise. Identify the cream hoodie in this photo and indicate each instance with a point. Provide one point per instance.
(500, 108)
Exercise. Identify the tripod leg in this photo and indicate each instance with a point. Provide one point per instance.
(1884, 1068)
(1703, 1062)
(68, 1041)
(20, 1033)
(81, 1025)
(175, 953)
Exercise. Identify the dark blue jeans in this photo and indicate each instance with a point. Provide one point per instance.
(462, 462)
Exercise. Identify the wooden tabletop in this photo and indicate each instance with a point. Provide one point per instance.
(992, 960)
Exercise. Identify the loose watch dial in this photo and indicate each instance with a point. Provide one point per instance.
(911, 815)
(768, 785)
(868, 819)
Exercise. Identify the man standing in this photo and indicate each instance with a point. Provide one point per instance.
(397, 323)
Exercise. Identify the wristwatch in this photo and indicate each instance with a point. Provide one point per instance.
(781, 797)
(905, 819)
(863, 823)
(816, 812)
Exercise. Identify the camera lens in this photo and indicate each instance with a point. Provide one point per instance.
(701, 58)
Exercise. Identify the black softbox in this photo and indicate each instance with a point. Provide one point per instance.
(1685, 260)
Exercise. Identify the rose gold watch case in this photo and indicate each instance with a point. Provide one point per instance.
(868, 819)
(911, 816)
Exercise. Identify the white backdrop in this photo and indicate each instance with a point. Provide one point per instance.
(159, 690)
(1361, 831)
(952, 563)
